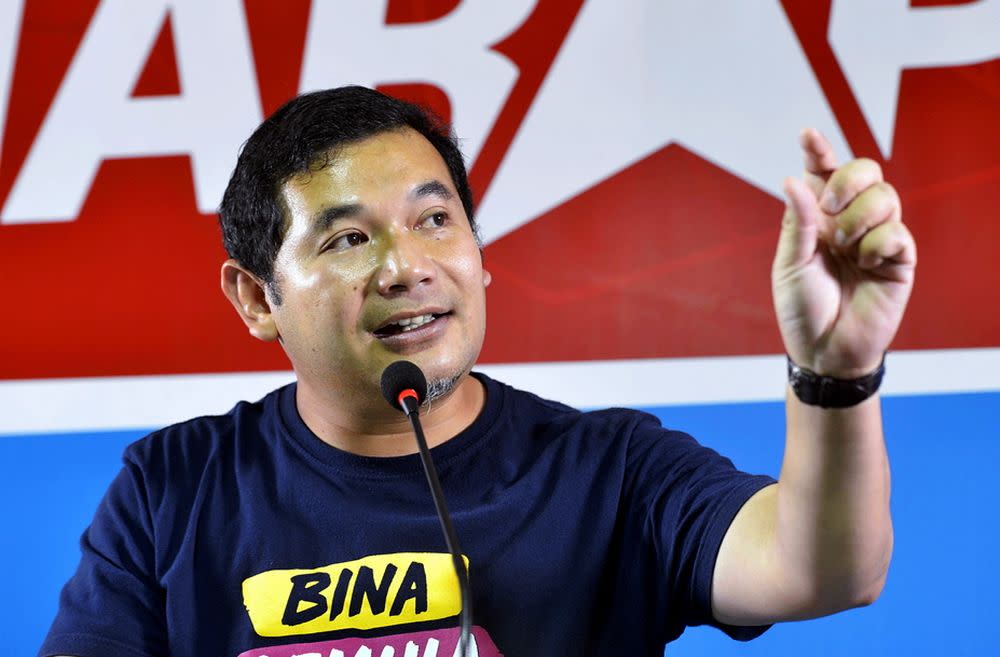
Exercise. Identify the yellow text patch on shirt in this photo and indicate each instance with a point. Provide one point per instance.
(381, 590)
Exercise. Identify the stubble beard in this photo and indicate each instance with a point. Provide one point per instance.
(442, 386)
(439, 388)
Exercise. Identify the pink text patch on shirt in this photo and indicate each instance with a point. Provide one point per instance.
(433, 643)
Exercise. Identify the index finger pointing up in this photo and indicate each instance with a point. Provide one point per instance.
(820, 160)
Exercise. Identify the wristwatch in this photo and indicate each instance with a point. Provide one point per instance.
(825, 391)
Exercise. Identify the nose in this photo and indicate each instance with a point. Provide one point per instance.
(404, 264)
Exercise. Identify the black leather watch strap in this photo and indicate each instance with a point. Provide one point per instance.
(825, 391)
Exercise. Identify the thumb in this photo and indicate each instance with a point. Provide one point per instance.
(799, 226)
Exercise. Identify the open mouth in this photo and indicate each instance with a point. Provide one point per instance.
(406, 325)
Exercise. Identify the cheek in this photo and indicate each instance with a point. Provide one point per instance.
(343, 278)
(299, 283)
(464, 257)
(474, 280)
(323, 303)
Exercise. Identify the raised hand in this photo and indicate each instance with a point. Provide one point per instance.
(844, 266)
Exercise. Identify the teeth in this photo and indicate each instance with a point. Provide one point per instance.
(410, 323)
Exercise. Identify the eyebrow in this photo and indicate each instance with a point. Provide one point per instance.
(328, 216)
(432, 188)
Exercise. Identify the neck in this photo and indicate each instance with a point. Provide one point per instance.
(380, 431)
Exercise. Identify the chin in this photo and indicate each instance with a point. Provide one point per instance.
(443, 375)
(438, 388)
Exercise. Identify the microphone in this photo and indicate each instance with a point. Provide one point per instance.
(405, 387)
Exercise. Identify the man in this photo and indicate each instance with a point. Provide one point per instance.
(302, 525)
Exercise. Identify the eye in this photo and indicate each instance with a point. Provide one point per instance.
(436, 220)
(346, 241)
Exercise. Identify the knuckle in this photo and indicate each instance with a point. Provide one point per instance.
(872, 207)
(871, 167)
(856, 177)
(854, 215)
(847, 220)
(886, 203)
(888, 191)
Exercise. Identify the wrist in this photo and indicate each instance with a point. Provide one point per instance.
(831, 392)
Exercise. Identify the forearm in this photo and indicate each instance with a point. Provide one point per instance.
(820, 540)
(833, 531)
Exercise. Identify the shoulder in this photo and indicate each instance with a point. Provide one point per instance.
(549, 416)
(181, 452)
(174, 475)
(649, 451)
(652, 462)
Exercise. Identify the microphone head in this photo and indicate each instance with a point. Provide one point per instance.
(399, 376)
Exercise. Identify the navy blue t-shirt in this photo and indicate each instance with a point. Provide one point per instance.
(245, 534)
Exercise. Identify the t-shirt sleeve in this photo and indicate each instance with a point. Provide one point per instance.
(690, 495)
(113, 605)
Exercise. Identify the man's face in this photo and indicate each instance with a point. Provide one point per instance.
(379, 263)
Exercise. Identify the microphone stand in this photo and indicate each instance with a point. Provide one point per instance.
(411, 405)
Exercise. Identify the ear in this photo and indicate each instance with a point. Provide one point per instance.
(248, 295)
(487, 278)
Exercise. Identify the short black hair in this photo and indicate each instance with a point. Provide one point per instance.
(293, 140)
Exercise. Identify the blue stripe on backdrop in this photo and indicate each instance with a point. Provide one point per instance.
(938, 599)
(50, 486)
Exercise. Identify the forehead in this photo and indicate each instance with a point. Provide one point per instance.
(379, 169)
